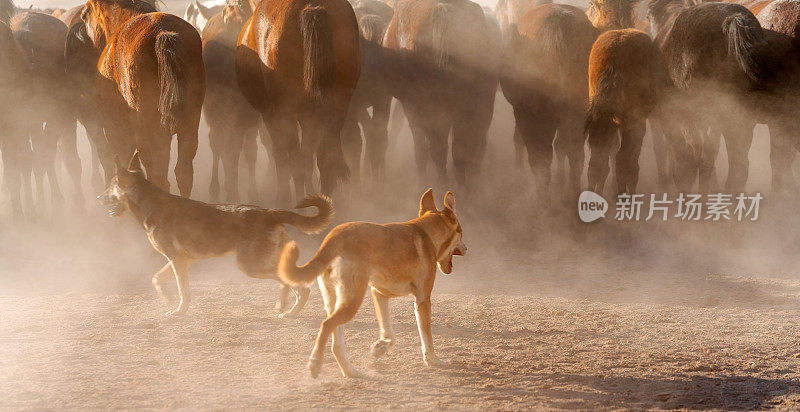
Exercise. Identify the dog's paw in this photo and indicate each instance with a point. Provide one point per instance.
(175, 312)
(315, 366)
(380, 347)
(354, 374)
(433, 361)
(287, 315)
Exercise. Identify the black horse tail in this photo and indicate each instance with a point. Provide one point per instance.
(173, 77)
(745, 40)
(318, 58)
(600, 115)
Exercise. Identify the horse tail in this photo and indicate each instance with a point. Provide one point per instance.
(290, 273)
(318, 58)
(600, 115)
(308, 224)
(745, 40)
(372, 28)
(439, 44)
(173, 77)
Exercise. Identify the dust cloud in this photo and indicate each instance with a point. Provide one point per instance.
(544, 311)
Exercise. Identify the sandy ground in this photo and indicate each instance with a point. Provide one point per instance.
(80, 351)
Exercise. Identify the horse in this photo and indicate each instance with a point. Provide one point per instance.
(81, 64)
(728, 74)
(150, 84)
(449, 60)
(298, 62)
(233, 123)
(199, 13)
(52, 124)
(372, 91)
(7, 10)
(782, 18)
(14, 108)
(627, 77)
(545, 79)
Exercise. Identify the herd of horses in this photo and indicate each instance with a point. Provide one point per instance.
(314, 80)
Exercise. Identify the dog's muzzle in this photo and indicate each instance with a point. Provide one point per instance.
(116, 209)
(460, 250)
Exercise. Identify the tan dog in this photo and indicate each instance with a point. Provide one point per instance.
(185, 230)
(395, 259)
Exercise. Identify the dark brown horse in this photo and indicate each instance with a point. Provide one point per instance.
(545, 80)
(781, 18)
(52, 123)
(81, 65)
(150, 85)
(450, 56)
(726, 69)
(373, 91)
(298, 62)
(14, 105)
(627, 77)
(232, 121)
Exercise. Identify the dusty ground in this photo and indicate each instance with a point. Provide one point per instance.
(79, 351)
(80, 328)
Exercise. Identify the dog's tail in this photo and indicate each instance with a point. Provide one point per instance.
(308, 224)
(292, 274)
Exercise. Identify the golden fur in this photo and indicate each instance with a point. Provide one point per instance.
(394, 259)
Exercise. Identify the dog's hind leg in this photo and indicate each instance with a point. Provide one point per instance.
(382, 345)
(283, 300)
(158, 282)
(180, 268)
(341, 305)
(301, 297)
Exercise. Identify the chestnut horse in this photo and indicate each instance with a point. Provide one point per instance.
(545, 80)
(52, 123)
(14, 106)
(150, 84)
(449, 59)
(232, 121)
(627, 77)
(373, 90)
(298, 62)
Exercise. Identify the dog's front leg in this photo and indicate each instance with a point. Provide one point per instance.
(158, 282)
(180, 267)
(423, 314)
(382, 345)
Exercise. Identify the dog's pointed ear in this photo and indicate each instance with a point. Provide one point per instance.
(450, 201)
(426, 203)
(135, 165)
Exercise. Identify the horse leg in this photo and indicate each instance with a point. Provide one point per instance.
(437, 131)
(538, 135)
(213, 187)
(660, 152)
(395, 125)
(573, 140)
(421, 149)
(519, 149)
(601, 139)
(377, 139)
(683, 165)
(283, 132)
(469, 139)
(781, 156)
(187, 149)
(230, 161)
(72, 161)
(330, 159)
(708, 158)
(12, 175)
(352, 146)
(250, 151)
(45, 146)
(154, 148)
(738, 138)
(631, 137)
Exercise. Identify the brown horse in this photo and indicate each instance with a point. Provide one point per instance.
(232, 121)
(150, 84)
(52, 124)
(544, 79)
(14, 108)
(627, 77)
(450, 56)
(373, 91)
(298, 62)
